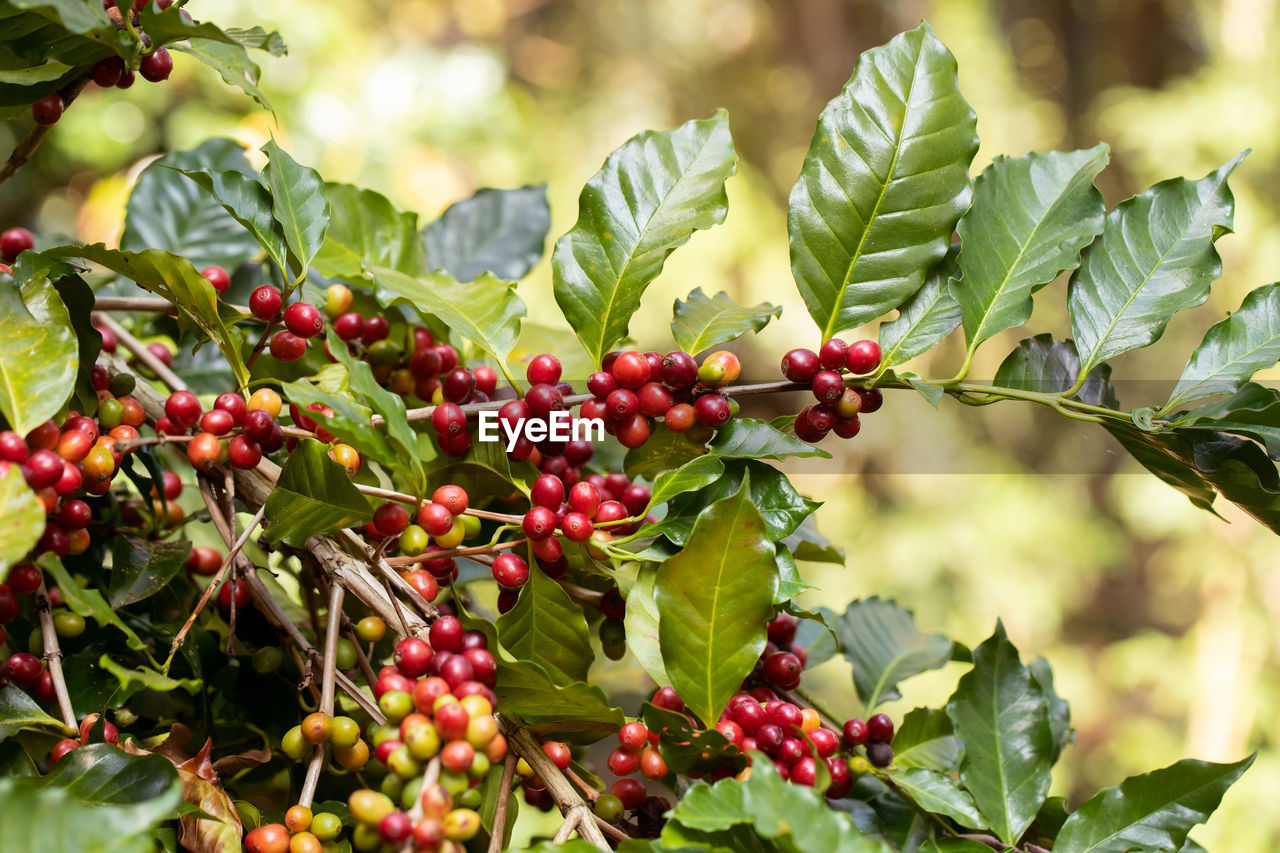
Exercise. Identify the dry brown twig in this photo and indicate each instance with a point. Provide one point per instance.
(53, 654)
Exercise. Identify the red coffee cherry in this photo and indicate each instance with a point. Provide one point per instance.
(801, 365)
(631, 370)
(543, 369)
(286, 346)
(679, 370)
(156, 66)
(828, 387)
(445, 634)
(412, 657)
(391, 519)
(182, 408)
(244, 453)
(833, 354)
(48, 109)
(863, 357)
(712, 410)
(265, 302)
(879, 729)
(218, 277)
(204, 451)
(510, 571)
(350, 326)
(538, 523)
(304, 320)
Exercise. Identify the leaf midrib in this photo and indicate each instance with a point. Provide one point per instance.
(829, 329)
(715, 608)
(631, 253)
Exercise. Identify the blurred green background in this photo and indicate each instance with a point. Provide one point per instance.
(1162, 622)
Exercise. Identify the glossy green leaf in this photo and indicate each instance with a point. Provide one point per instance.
(20, 713)
(496, 231)
(701, 322)
(486, 311)
(258, 39)
(174, 278)
(1030, 218)
(313, 495)
(51, 818)
(938, 793)
(953, 845)
(547, 627)
(22, 519)
(1152, 812)
(1155, 257)
(79, 301)
(248, 203)
(881, 641)
(349, 422)
(485, 470)
(38, 354)
(1002, 719)
(141, 567)
(104, 774)
(691, 476)
(686, 749)
(925, 319)
(1046, 366)
(795, 815)
(641, 621)
(884, 182)
(647, 200)
(749, 438)
(813, 633)
(790, 584)
(925, 738)
(1253, 411)
(88, 602)
(1059, 709)
(299, 204)
(664, 451)
(134, 679)
(715, 598)
(366, 230)
(782, 507)
(232, 63)
(167, 211)
(808, 544)
(1233, 349)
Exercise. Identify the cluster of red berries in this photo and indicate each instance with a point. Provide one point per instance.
(22, 669)
(154, 66)
(633, 390)
(442, 524)
(110, 734)
(838, 405)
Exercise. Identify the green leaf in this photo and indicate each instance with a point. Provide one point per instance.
(691, 476)
(664, 451)
(647, 200)
(1151, 812)
(89, 603)
(953, 845)
(794, 815)
(807, 543)
(1031, 216)
(1046, 366)
(313, 495)
(166, 211)
(232, 63)
(258, 39)
(548, 628)
(1059, 709)
(1254, 410)
(926, 739)
(349, 422)
(885, 179)
(299, 204)
(174, 278)
(366, 230)
(813, 635)
(938, 793)
(925, 319)
(1233, 349)
(20, 713)
(702, 322)
(79, 301)
(134, 679)
(38, 354)
(1155, 257)
(141, 567)
(247, 202)
(104, 774)
(1001, 716)
(51, 818)
(486, 312)
(21, 519)
(686, 749)
(782, 507)
(641, 621)
(715, 598)
(748, 438)
(882, 642)
(496, 231)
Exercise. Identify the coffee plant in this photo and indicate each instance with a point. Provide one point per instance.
(309, 544)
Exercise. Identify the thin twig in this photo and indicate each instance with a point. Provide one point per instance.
(588, 791)
(496, 840)
(609, 829)
(261, 344)
(147, 304)
(23, 151)
(336, 593)
(577, 813)
(429, 777)
(402, 586)
(139, 350)
(53, 654)
(474, 550)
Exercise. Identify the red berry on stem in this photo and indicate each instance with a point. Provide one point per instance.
(391, 519)
(879, 729)
(712, 410)
(156, 66)
(538, 523)
(863, 357)
(623, 762)
(412, 657)
(544, 369)
(631, 370)
(833, 354)
(286, 346)
(14, 242)
(801, 365)
(350, 326)
(872, 399)
(510, 571)
(218, 277)
(667, 698)
(265, 302)
(48, 109)
(452, 497)
(107, 72)
(679, 370)
(445, 634)
(304, 320)
(182, 408)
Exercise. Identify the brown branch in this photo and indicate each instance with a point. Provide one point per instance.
(504, 796)
(609, 829)
(578, 814)
(474, 550)
(140, 351)
(146, 304)
(24, 150)
(429, 777)
(588, 791)
(261, 344)
(329, 667)
(53, 654)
